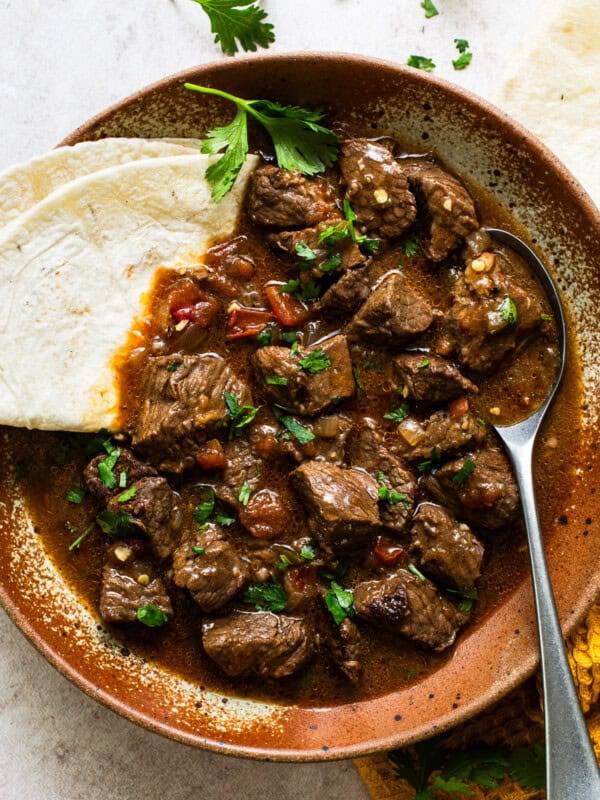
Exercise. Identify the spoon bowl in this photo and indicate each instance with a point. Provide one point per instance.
(571, 768)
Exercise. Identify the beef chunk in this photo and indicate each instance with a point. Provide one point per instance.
(129, 582)
(394, 313)
(450, 210)
(155, 512)
(343, 645)
(437, 381)
(444, 549)
(127, 462)
(331, 433)
(284, 244)
(303, 391)
(242, 466)
(212, 577)
(278, 198)
(480, 326)
(349, 292)
(377, 188)
(183, 403)
(369, 453)
(410, 606)
(488, 497)
(441, 432)
(257, 643)
(341, 504)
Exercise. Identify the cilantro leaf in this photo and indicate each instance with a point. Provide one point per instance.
(304, 251)
(508, 310)
(411, 246)
(307, 552)
(416, 572)
(420, 62)
(234, 21)
(463, 473)
(331, 264)
(316, 361)
(290, 337)
(244, 493)
(123, 478)
(199, 551)
(106, 466)
(461, 45)
(240, 415)
(463, 61)
(429, 8)
(275, 380)
(340, 603)
(152, 616)
(527, 766)
(205, 507)
(224, 519)
(289, 287)
(300, 142)
(76, 493)
(424, 363)
(76, 544)
(433, 462)
(299, 432)
(268, 596)
(468, 597)
(264, 338)
(115, 524)
(398, 414)
(128, 494)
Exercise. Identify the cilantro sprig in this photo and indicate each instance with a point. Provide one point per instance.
(267, 596)
(240, 415)
(299, 432)
(238, 21)
(316, 361)
(340, 603)
(300, 142)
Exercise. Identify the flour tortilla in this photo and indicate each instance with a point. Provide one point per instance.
(73, 276)
(552, 86)
(24, 185)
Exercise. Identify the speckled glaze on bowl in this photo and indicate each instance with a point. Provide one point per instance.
(474, 138)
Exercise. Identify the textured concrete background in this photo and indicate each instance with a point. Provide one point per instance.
(60, 62)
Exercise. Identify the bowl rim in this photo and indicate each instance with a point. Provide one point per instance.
(528, 666)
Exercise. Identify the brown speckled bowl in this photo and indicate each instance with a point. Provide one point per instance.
(475, 139)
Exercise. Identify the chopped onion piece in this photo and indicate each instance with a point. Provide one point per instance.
(411, 431)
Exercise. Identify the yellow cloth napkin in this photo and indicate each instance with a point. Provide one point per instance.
(552, 88)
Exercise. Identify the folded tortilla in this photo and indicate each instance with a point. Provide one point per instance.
(24, 185)
(74, 273)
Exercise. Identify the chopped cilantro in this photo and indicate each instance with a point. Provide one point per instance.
(152, 616)
(76, 544)
(390, 496)
(307, 552)
(268, 596)
(420, 62)
(304, 251)
(106, 466)
(468, 597)
(424, 363)
(128, 494)
(461, 45)
(205, 507)
(299, 432)
(398, 414)
(284, 562)
(410, 675)
(346, 230)
(115, 524)
(429, 8)
(546, 317)
(224, 519)
(482, 422)
(433, 462)
(508, 310)
(290, 287)
(316, 361)
(290, 337)
(173, 365)
(264, 338)
(416, 572)
(276, 380)
(463, 473)
(358, 379)
(340, 603)
(240, 415)
(331, 264)
(309, 291)
(76, 493)
(244, 493)
(411, 246)
(199, 551)
(123, 478)
(463, 61)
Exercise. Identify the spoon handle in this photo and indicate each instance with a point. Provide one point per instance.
(571, 768)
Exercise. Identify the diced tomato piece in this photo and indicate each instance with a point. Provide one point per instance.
(288, 310)
(185, 312)
(459, 407)
(303, 578)
(211, 455)
(387, 551)
(202, 311)
(245, 322)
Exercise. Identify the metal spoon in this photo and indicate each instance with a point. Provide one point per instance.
(571, 769)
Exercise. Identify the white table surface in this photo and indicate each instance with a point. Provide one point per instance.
(61, 61)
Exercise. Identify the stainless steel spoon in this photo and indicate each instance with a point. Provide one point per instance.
(571, 769)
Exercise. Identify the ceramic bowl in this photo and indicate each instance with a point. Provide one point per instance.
(491, 658)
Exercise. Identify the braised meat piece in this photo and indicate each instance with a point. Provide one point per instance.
(127, 463)
(208, 566)
(343, 645)
(485, 494)
(285, 244)
(183, 405)
(410, 606)
(242, 466)
(376, 188)
(393, 314)
(154, 511)
(268, 440)
(257, 643)
(441, 432)
(397, 486)
(130, 581)
(450, 209)
(445, 549)
(309, 379)
(490, 314)
(432, 379)
(278, 198)
(341, 504)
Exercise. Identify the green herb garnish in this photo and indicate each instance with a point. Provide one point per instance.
(106, 466)
(429, 8)
(115, 524)
(411, 246)
(199, 551)
(275, 380)
(172, 366)
(205, 507)
(244, 493)
(546, 317)
(76, 493)
(508, 310)
(461, 45)
(331, 264)
(463, 473)
(76, 544)
(463, 61)
(398, 414)
(240, 415)
(299, 432)
(304, 251)
(433, 462)
(420, 62)
(128, 494)
(264, 338)
(316, 361)
(290, 337)
(300, 142)
(290, 287)
(468, 597)
(307, 552)
(340, 603)
(224, 519)
(238, 21)
(268, 596)
(416, 572)
(152, 616)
